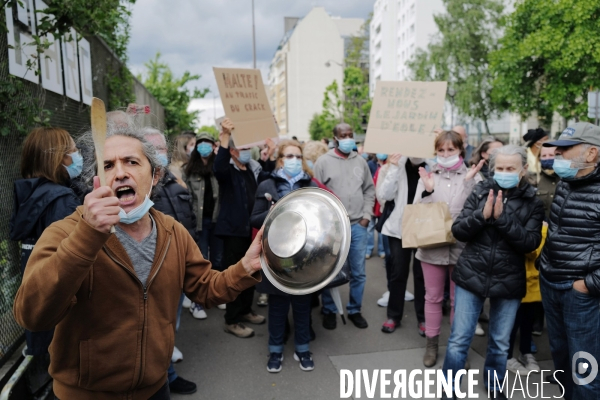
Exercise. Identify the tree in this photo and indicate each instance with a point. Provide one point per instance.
(173, 94)
(468, 33)
(350, 103)
(549, 58)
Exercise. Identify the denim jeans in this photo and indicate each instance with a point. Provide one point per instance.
(279, 306)
(171, 374)
(573, 321)
(210, 245)
(356, 259)
(467, 306)
(371, 239)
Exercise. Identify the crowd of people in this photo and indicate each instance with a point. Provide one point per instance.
(187, 222)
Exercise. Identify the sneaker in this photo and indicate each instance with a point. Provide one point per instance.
(253, 318)
(197, 311)
(274, 364)
(479, 330)
(513, 365)
(389, 326)
(408, 296)
(530, 363)
(533, 348)
(187, 303)
(176, 356)
(263, 300)
(383, 301)
(422, 329)
(382, 255)
(239, 330)
(329, 321)
(305, 359)
(358, 320)
(222, 306)
(367, 256)
(181, 386)
(537, 329)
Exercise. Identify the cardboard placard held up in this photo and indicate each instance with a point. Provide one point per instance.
(246, 104)
(403, 117)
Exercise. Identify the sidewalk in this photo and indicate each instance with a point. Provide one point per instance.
(226, 367)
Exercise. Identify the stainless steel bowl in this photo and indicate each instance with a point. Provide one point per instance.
(306, 241)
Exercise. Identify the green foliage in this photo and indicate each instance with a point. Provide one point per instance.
(108, 19)
(214, 132)
(353, 106)
(120, 85)
(173, 94)
(468, 33)
(549, 58)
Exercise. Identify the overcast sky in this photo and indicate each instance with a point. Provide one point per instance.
(197, 35)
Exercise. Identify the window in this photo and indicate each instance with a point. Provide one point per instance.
(412, 30)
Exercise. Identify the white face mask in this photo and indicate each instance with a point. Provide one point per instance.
(448, 162)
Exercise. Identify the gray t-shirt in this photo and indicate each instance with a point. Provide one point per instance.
(141, 253)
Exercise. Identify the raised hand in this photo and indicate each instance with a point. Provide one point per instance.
(474, 170)
(251, 261)
(427, 178)
(101, 207)
(394, 158)
(489, 206)
(498, 208)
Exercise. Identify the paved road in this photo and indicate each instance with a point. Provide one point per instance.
(226, 367)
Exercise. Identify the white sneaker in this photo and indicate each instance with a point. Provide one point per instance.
(530, 363)
(479, 330)
(197, 311)
(177, 355)
(513, 365)
(408, 296)
(383, 301)
(222, 306)
(187, 303)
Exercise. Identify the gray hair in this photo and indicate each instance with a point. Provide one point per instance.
(508, 150)
(85, 144)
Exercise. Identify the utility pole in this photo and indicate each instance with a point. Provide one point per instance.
(253, 37)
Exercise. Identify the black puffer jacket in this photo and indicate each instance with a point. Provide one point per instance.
(493, 262)
(174, 200)
(572, 249)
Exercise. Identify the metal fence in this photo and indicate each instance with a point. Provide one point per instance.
(65, 113)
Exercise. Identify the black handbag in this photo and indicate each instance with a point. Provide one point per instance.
(341, 278)
(388, 207)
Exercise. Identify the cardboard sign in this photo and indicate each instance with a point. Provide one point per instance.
(246, 105)
(403, 117)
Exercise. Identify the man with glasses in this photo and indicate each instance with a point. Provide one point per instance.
(349, 177)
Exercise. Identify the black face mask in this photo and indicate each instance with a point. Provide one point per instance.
(547, 164)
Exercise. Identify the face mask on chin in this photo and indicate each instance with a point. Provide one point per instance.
(137, 213)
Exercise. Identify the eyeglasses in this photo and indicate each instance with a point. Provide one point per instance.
(290, 156)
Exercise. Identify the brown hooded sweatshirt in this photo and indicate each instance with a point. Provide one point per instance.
(114, 338)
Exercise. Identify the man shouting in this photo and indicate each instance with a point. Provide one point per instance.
(113, 297)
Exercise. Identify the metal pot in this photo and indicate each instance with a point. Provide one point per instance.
(306, 241)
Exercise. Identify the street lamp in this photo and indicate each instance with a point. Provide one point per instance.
(328, 63)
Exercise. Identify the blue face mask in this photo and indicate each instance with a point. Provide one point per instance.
(346, 145)
(292, 167)
(74, 170)
(137, 213)
(162, 158)
(507, 180)
(204, 149)
(365, 156)
(310, 164)
(563, 169)
(245, 156)
(381, 157)
(547, 164)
